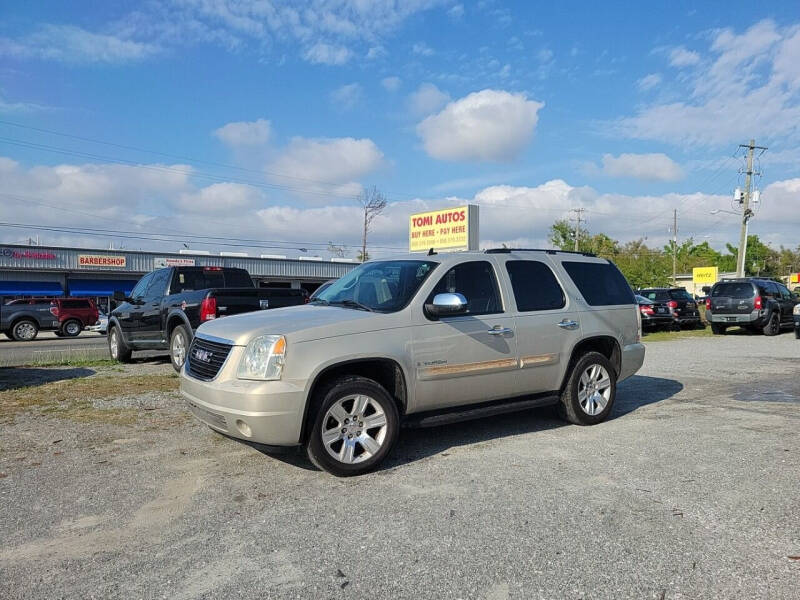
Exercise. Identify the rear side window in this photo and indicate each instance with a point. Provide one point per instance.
(680, 295)
(741, 289)
(535, 287)
(75, 304)
(601, 284)
(656, 296)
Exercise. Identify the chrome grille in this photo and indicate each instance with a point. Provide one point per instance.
(206, 358)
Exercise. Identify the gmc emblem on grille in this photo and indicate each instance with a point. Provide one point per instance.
(203, 355)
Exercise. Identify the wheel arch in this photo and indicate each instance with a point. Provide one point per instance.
(175, 318)
(606, 345)
(387, 372)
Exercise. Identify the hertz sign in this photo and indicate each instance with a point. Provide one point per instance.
(449, 229)
(707, 275)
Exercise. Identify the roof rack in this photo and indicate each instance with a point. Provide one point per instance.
(547, 250)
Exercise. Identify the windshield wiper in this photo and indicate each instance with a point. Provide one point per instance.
(352, 304)
(321, 301)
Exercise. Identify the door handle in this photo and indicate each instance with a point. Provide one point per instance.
(567, 324)
(499, 330)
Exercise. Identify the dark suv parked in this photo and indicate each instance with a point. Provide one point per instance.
(760, 305)
(22, 320)
(681, 305)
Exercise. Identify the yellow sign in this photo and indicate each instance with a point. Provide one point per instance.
(449, 229)
(705, 274)
(794, 278)
(101, 260)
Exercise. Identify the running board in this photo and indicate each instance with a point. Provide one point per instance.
(475, 411)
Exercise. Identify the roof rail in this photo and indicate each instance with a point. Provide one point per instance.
(547, 250)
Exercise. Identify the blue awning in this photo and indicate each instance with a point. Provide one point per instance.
(30, 288)
(100, 287)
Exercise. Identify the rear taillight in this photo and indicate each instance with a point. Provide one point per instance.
(54, 309)
(672, 304)
(708, 303)
(758, 303)
(646, 310)
(208, 309)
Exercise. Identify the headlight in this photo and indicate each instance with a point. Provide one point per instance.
(796, 309)
(263, 358)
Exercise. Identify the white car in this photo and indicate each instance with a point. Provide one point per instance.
(101, 326)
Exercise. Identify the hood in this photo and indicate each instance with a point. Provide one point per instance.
(297, 323)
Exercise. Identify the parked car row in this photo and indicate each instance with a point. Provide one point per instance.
(22, 320)
(675, 303)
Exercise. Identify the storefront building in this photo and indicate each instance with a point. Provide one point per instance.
(36, 271)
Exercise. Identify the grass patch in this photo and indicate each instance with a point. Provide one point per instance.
(73, 398)
(76, 362)
(664, 336)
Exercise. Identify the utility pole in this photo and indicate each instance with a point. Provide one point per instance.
(746, 212)
(578, 219)
(675, 247)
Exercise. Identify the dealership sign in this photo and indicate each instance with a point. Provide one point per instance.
(160, 262)
(705, 274)
(101, 260)
(27, 254)
(449, 229)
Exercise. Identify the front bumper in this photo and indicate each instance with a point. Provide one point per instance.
(631, 361)
(265, 412)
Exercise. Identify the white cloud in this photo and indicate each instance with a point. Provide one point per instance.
(681, 57)
(648, 82)
(244, 133)
(328, 54)
(220, 198)
(426, 99)
(70, 44)
(456, 11)
(422, 49)
(326, 166)
(347, 96)
(391, 84)
(545, 55)
(650, 167)
(748, 84)
(490, 125)
(376, 52)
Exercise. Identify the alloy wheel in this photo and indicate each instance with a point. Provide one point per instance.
(26, 331)
(354, 429)
(594, 390)
(113, 343)
(179, 349)
(72, 328)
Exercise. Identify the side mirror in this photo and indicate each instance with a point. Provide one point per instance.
(119, 296)
(445, 305)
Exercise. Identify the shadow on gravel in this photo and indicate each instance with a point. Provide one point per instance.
(417, 444)
(12, 378)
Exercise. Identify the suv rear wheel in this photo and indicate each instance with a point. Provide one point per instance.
(24, 330)
(72, 328)
(355, 427)
(589, 394)
(773, 326)
(178, 347)
(117, 348)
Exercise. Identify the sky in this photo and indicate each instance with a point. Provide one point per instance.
(254, 125)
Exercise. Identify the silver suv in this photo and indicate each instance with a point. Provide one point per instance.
(419, 340)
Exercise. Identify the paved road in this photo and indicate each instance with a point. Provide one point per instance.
(48, 348)
(689, 491)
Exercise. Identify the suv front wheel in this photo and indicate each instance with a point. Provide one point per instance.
(117, 348)
(355, 427)
(590, 391)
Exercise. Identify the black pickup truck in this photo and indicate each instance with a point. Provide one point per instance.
(167, 305)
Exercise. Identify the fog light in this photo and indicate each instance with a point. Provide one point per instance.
(244, 428)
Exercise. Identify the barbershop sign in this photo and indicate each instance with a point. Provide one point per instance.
(101, 260)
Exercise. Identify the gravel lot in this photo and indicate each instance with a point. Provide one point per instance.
(692, 490)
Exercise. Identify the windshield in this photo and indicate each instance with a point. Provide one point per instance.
(382, 286)
(680, 295)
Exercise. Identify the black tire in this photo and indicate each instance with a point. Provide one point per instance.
(797, 332)
(571, 408)
(58, 334)
(179, 335)
(8, 335)
(773, 326)
(117, 348)
(71, 328)
(24, 330)
(700, 325)
(338, 392)
(718, 329)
